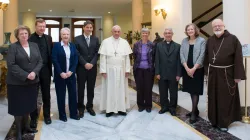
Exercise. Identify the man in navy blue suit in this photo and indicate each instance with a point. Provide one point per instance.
(87, 46)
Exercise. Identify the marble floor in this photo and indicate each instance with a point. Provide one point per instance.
(135, 126)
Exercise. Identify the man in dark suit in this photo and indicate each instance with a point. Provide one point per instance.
(168, 71)
(44, 43)
(87, 46)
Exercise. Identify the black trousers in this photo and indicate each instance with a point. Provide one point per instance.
(60, 85)
(84, 76)
(172, 86)
(144, 79)
(45, 80)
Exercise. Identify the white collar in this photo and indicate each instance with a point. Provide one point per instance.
(115, 39)
(86, 36)
(62, 44)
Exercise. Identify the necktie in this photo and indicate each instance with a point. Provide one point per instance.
(87, 39)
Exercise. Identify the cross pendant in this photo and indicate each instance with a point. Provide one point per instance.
(115, 53)
(214, 59)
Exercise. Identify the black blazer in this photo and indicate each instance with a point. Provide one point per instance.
(87, 54)
(168, 64)
(34, 38)
(20, 65)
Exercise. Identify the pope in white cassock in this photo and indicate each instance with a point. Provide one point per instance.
(115, 68)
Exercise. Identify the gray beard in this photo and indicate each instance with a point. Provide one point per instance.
(218, 33)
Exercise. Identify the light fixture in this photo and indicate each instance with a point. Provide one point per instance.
(50, 10)
(109, 12)
(161, 11)
(4, 4)
(29, 10)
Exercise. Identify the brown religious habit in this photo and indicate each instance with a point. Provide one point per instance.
(224, 61)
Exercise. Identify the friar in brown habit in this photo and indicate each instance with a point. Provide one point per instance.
(224, 67)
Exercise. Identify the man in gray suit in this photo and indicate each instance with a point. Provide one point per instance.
(168, 71)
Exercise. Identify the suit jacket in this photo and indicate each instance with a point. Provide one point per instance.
(59, 59)
(167, 63)
(137, 49)
(87, 54)
(34, 38)
(198, 51)
(20, 64)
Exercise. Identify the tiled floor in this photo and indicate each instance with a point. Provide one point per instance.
(135, 126)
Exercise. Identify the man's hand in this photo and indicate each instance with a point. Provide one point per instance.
(237, 80)
(104, 75)
(178, 78)
(32, 76)
(127, 74)
(63, 75)
(69, 73)
(158, 77)
(88, 66)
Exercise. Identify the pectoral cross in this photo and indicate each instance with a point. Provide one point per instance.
(214, 59)
(115, 53)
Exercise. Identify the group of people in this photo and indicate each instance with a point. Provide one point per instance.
(219, 59)
(30, 62)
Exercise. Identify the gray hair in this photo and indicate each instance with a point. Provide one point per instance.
(169, 29)
(116, 27)
(145, 30)
(65, 29)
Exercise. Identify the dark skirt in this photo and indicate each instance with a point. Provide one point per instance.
(193, 85)
(22, 99)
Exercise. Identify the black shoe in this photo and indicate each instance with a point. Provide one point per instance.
(75, 118)
(172, 112)
(189, 114)
(109, 114)
(91, 111)
(193, 119)
(81, 114)
(33, 123)
(122, 113)
(163, 110)
(47, 120)
(30, 130)
(140, 109)
(148, 110)
(64, 119)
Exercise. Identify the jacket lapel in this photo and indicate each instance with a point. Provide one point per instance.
(164, 47)
(21, 49)
(85, 42)
(172, 48)
(47, 43)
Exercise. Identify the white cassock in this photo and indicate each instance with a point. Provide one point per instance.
(114, 60)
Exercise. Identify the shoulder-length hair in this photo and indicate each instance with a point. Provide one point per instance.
(21, 27)
(196, 29)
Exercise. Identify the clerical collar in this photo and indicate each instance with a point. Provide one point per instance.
(86, 36)
(39, 35)
(168, 42)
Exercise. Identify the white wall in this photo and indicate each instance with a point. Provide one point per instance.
(179, 15)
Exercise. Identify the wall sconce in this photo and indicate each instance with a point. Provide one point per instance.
(162, 12)
(4, 4)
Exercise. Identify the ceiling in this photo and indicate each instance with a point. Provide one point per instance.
(76, 7)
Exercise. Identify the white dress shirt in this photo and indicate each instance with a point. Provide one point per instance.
(67, 52)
